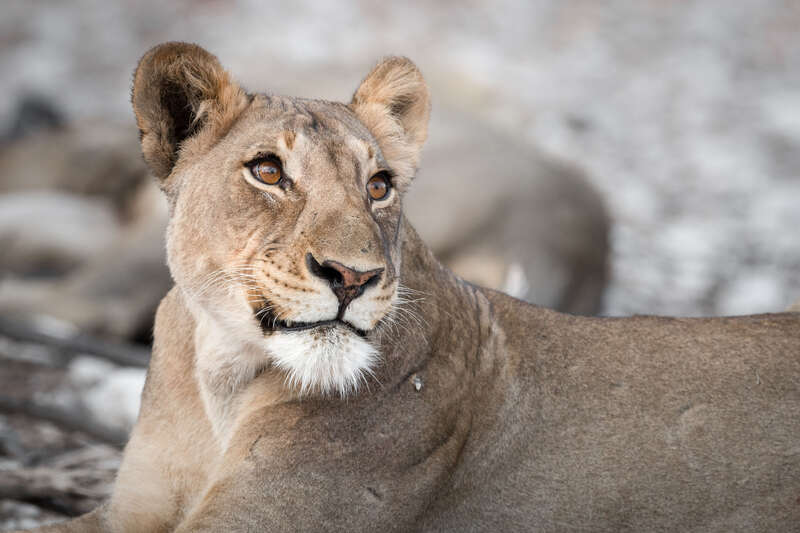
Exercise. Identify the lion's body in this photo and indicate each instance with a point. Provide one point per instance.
(526, 419)
(478, 412)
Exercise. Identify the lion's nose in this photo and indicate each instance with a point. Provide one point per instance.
(345, 282)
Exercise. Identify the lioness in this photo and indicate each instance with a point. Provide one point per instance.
(316, 369)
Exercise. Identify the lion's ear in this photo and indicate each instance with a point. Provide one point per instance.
(394, 103)
(180, 91)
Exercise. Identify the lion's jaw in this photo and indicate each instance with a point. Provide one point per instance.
(322, 352)
(232, 348)
(329, 359)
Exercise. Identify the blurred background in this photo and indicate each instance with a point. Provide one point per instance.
(613, 158)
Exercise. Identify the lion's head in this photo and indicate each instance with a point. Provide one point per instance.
(286, 213)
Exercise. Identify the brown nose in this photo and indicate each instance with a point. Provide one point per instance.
(346, 283)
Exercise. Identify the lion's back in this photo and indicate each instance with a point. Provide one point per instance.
(643, 423)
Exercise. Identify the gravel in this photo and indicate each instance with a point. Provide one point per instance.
(683, 114)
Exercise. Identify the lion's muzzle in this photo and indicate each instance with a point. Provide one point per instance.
(345, 282)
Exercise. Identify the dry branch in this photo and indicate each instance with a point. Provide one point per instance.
(71, 492)
(64, 419)
(116, 352)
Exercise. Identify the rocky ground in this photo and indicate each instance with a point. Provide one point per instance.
(683, 115)
(66, 405)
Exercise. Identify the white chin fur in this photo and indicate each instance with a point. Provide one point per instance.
(327, 360)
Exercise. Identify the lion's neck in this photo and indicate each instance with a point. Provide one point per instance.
(443, 312)
(236, 377)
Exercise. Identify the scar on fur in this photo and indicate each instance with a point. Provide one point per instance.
(288, 138)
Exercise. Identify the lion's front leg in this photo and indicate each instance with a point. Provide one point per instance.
(247, 502)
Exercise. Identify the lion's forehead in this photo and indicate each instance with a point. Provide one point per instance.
(315, 118)
(323, 128)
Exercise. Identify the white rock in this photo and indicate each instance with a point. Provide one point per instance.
(111, 394)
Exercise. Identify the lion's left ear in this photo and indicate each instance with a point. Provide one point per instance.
(394, 103)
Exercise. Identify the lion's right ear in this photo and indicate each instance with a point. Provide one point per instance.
(393, 102)
(181, 92)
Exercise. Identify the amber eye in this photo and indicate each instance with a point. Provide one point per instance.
(378, 186)
(267, 171)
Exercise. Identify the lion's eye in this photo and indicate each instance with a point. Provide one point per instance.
(378, 186)
(267, 171)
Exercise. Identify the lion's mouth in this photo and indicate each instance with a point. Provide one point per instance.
(270, 323)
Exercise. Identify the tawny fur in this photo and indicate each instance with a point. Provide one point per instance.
(481, 413)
